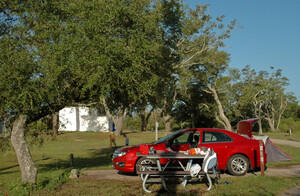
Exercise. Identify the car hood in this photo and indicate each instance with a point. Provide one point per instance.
(128, 148)
(244, 127)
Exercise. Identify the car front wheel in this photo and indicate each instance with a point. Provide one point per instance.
(143, 165)
(238, 165)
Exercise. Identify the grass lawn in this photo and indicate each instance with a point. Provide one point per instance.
(252, 185)
(91, 151)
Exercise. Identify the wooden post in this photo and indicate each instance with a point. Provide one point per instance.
(261, 150)
(71, 160)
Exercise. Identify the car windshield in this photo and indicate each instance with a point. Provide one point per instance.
(161, 140)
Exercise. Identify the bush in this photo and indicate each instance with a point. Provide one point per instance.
(38, 128)
(287, 124)
(5, 144)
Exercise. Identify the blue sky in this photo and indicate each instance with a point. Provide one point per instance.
(270, 35)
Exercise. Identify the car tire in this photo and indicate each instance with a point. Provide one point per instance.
(238, 165)
(142, 161)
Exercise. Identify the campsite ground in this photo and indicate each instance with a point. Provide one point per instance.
(290, 171)
(92, 153)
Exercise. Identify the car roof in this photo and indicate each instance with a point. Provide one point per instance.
(212, 129)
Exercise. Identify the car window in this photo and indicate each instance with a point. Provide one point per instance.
(161, 140)
(185, 138)
(214, 136)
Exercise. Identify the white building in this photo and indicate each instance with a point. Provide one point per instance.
(83, 119)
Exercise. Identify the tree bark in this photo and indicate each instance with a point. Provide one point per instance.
(145, 118)
(27, 167)
(55, 124)
(271, 124)
(118, 125)
(117, 120)
(193, 120)
(222, 115)
(258, 104)
(283, 105)
(167, 121)
(260, 127)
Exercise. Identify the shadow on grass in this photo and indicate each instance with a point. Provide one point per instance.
(8, 172)
(3, 173)
(9, 167)
(176, 189)
(127, 173)
(99, 158)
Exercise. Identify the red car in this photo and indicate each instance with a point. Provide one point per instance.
(236, 153)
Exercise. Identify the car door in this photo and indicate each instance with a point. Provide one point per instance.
(182, 141)
(220, 142)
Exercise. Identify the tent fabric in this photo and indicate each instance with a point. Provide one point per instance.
(274, 154)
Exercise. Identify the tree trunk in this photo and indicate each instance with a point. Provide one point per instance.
(258, 104)
(167, 121)
(55, 124)
(144, 126)
(117, 120)
(283, 105)
(143, 119)
(260, 127)
(27, 167)
(118, 125)
(193, 121)
(271, 124)
(222, 115)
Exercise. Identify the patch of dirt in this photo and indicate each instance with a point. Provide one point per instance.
(293, 171)
(109, 175)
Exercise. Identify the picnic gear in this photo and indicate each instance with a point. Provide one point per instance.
(210, 162)
(193, 151)
(144, 149)
(195, 169)
(152, 150)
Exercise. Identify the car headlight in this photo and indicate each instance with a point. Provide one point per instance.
(118, 153)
